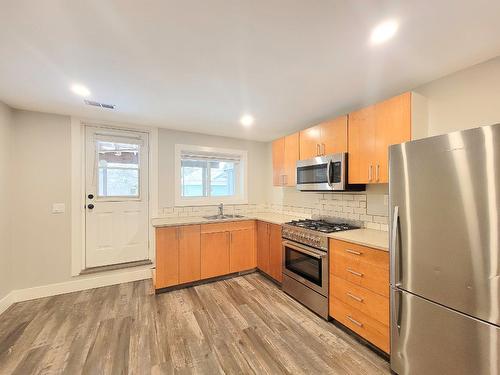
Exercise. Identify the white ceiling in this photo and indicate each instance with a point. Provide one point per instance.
(198, 65)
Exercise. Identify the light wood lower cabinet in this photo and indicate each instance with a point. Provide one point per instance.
(242, 249)
(269, 250)
(275, 253)
(167, 257)
(263, 246)
(190, 253)
(214, 254)
(359, 290)
(177, 255)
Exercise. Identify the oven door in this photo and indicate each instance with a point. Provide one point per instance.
(307, 265)
(323, 173)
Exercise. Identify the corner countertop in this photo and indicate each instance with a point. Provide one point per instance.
(273, 218)
(366, 237)
(376, 239)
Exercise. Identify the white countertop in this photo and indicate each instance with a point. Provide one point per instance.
(376, 239)
(269, 217)
(367, 237)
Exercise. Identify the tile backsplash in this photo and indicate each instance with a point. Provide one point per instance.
(351, 206)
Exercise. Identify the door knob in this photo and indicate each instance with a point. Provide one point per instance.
(90, 206)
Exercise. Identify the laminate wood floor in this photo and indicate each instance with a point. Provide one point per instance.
(238, 326)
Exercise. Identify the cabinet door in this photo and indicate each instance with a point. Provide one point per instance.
(278, 161)
(242, 250)
(291, 157)
(361, 146)
(167, 257)
(189, 253)
(275, 253)
(263, 246)
(334, 136)
(214, 254)
(393, 126)
(310, 142)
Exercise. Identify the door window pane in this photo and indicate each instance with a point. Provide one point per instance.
(118, 169)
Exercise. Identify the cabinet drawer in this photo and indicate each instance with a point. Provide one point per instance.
(368, 328)
(359, 253)
(369, 303)
(359, 273)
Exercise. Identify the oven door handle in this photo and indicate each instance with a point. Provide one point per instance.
(304, 250)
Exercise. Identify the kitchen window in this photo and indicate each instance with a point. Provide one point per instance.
(207, 175)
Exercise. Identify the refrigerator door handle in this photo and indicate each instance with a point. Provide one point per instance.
(397, 306)
(395, 256)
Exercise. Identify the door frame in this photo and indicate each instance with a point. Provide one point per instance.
(78, 186)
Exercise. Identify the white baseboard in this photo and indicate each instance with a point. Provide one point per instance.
(6, 301)
(83, 283)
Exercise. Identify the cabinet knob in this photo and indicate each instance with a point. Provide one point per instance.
(90, 206)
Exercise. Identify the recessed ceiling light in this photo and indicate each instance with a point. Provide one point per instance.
(246, 120)
(384, 31)
(80, 90)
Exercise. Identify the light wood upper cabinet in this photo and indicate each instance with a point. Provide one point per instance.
(189, 254)
(285, 156)
(361, 145)
(167, 257)
(371, 131)
(242, 255)
(334, 136)
(329, 137)
(214, 254)
(291, 157)
(310, 140)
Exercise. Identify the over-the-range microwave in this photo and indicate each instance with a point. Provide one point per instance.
(325, 173)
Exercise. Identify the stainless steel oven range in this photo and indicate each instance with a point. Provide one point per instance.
(305, 261)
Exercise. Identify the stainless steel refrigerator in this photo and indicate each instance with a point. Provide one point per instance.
(444, 195)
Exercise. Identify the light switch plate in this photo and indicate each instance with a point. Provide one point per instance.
(58, 208)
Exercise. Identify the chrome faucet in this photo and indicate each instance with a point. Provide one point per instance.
(221, 209)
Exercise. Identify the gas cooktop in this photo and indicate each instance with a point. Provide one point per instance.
(321, 225)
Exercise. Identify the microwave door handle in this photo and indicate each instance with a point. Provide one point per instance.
(328, 174)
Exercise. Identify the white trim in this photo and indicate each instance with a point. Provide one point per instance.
(83, 283)
(7, 301)
(206, 201)
(78, 181)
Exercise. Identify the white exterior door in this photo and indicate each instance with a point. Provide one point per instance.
(116, 196)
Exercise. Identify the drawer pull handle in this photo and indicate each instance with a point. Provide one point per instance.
(354, 272)
(353, 252)
(359, 324)
(359, 299)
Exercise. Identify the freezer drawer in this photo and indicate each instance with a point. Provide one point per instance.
(427, 338)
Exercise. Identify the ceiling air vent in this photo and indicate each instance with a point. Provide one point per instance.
(97, 104)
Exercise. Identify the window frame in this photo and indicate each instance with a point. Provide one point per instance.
(240, 198)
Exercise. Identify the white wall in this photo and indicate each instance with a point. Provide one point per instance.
(41, 164)
(463, 100)
(257, 162)
(5, 199)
